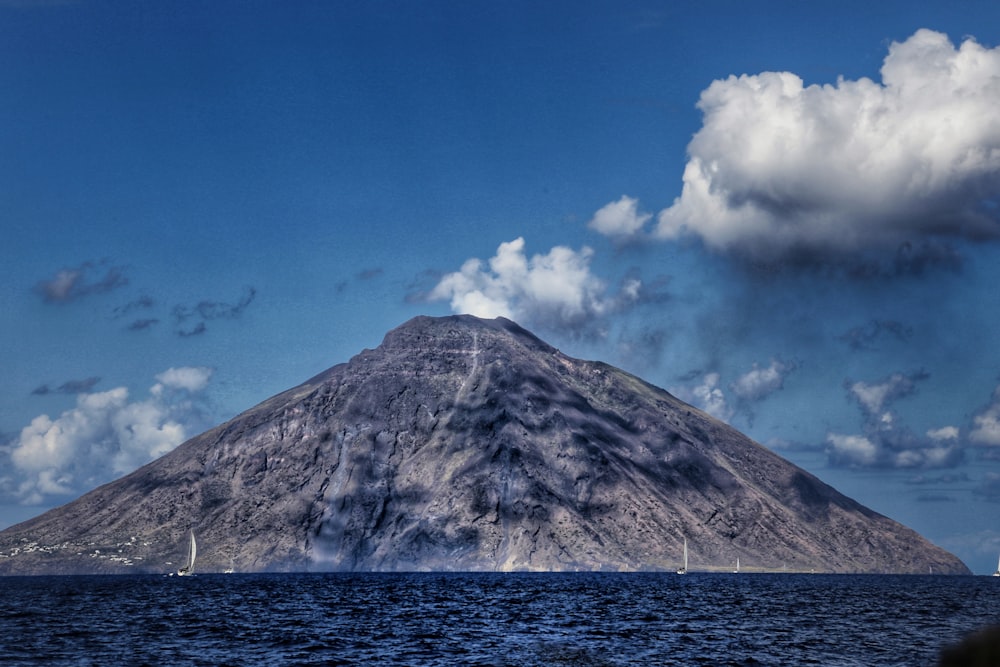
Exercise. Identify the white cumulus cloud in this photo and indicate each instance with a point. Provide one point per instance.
(944, 434)
(105, 435)
(854, 450)
(755, 385)
(187, 378)
(874, 396)
(707, 395)
(619, 218)
(781, 168)
(554, 289)
(886, 442)
(710, 398)
(47, 443)
(758, 383)
(986, 424)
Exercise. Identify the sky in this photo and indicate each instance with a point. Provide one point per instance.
(785, 213)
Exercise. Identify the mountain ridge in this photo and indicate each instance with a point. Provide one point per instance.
(462, 443)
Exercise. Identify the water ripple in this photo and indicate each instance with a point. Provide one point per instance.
(493, 620)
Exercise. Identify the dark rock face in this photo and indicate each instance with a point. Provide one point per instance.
(467, 444)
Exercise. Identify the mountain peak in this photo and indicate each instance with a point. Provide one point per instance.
(459, 328)
(469, 444)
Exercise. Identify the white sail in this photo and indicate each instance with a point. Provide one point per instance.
(997, 573)
(684, 568)
(737, 570)
(192, 554)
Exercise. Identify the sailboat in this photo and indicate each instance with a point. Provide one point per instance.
(997, 573)
(192, 552)
(684, 569)
(737, 570)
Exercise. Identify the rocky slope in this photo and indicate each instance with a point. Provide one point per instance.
(468, 444)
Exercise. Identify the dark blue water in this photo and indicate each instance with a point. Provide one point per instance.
(490, 619)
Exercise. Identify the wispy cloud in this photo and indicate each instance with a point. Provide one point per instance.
(554, 290)
(74, 283)
(105, 435)
(361, 278)
(370, 274)
(819, 173)
(212, 310)
(143, 324)
(132, 309)
(866, 337)
(985, 543)
(989, 487)
(197, 330)
(644, 345)
(948, 479)
(68, 387)
(141, 303)
(206, 311)
(946, 487)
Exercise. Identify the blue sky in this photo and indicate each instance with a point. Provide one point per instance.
(785, 213)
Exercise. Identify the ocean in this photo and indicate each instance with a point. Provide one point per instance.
(490, 619)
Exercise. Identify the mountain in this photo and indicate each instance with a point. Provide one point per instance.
(468, 444)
